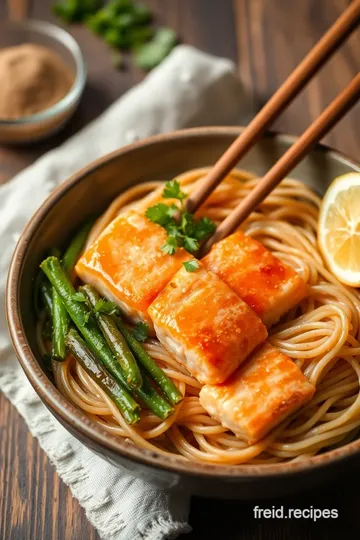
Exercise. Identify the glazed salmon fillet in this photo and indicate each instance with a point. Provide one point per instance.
(268, 286)
(127, 266)
(259, 395)
(205, 325)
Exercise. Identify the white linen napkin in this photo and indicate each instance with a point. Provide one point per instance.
(189, 89)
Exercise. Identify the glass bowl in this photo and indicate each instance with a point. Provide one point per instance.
(40, 125)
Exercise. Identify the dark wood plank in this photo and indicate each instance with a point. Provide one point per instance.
(34, 502)
(272, 39)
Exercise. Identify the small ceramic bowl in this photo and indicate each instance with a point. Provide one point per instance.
(90, 191)
(40, 125)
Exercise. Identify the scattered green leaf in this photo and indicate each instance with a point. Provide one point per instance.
(170, 246)
(153, 53)
(191, 266)
(141, 331)
(182, 228)
(105, 306)
(172, 190)
(122, 24)
(160, 213)
(191, 244)
(79, 297)
(72, 11)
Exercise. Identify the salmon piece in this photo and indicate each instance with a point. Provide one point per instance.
(268, 286)
(259, 395)
(205, 325)
(126, 264)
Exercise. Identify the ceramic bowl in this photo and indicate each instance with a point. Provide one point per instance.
(90, 191)
(35, 127)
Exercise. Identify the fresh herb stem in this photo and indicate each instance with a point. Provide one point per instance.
(96, 371)
(114, 338)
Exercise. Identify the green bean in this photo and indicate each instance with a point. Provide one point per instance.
(60, 322)
(46, 293)
(97, 372)
(171, 392)
(152, 400)
(75, 248)
(87, 326)
(114, 338)
(80, 316)
(60, 316)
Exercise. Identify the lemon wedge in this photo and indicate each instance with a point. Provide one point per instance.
(339, 228)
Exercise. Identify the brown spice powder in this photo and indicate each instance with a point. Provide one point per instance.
(32, 79)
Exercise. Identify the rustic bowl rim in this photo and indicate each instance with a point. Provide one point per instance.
(76, 418)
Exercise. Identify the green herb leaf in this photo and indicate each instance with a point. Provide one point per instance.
(191, 244)
(153, 53)
(204, 228)
(170, 246)
(141, 331)
(141, 13)
(75, 11)
(159, 214)
(79, 297)
(182, 228)
(87, 317)
(173, 190)
(191, 266)
(105, 306)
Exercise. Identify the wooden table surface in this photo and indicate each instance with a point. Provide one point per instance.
(267, 39)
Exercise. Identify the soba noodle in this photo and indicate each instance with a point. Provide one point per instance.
(322, 335)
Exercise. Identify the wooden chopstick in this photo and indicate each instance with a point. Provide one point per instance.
(322, 51)
(330, 116)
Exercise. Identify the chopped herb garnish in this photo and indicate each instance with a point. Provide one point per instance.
(170, 246)
(105, 306)
(79, 297)
(125, 25)
(162, 214)
(155, 51)
(182, 228)
(191, 266)
(191, 244)
(172, 190)
(141, 331)
(76, 10)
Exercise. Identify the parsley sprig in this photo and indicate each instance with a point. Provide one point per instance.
(141, 332)
(186, 231)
